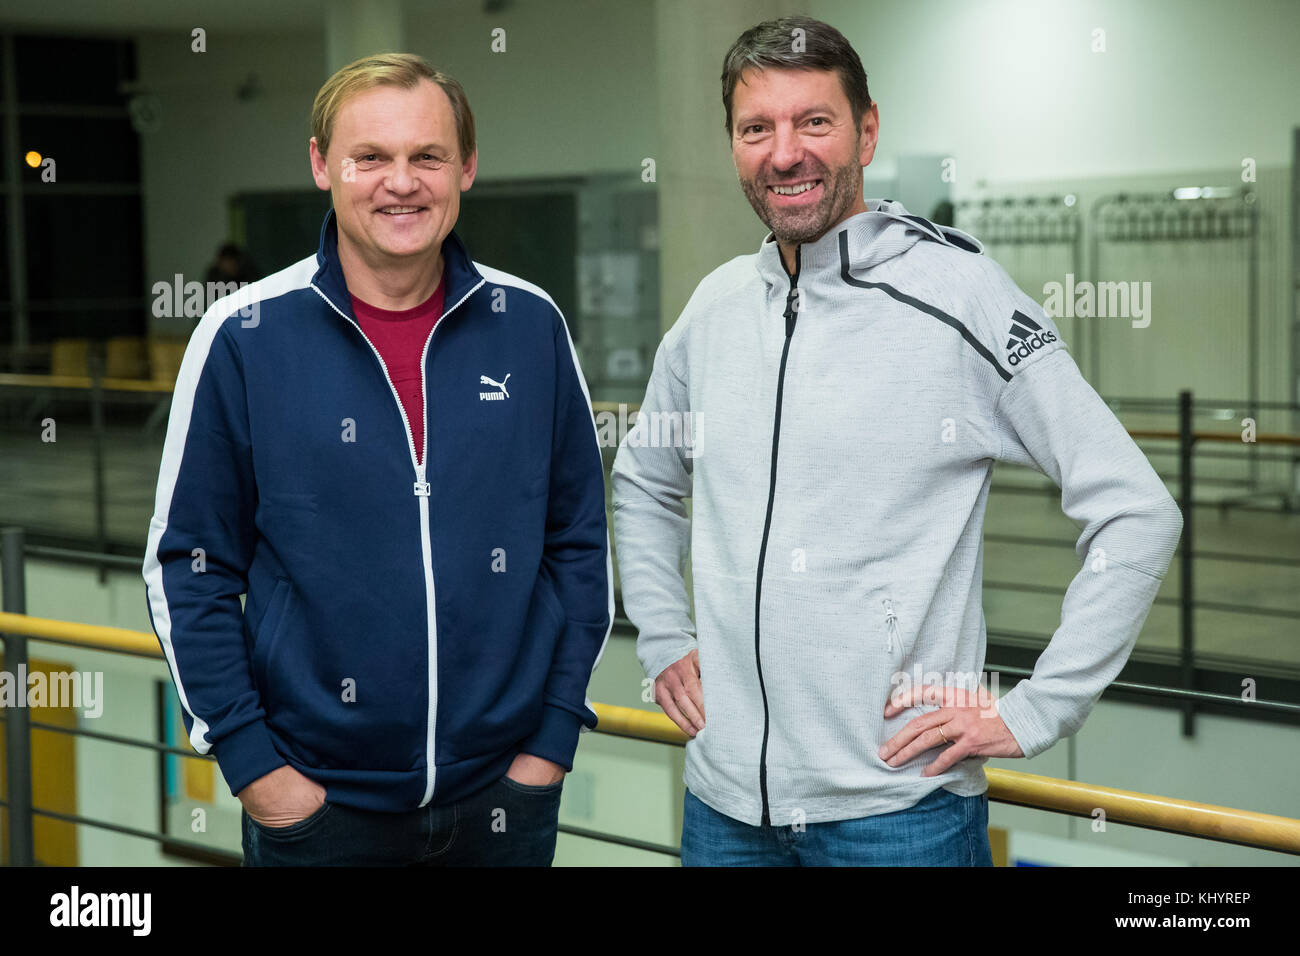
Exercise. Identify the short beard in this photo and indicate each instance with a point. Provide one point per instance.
(798, 226)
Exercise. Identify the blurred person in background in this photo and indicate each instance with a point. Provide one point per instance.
(232, 265)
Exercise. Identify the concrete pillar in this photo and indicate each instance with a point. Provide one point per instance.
(357, 28)
(704, 218)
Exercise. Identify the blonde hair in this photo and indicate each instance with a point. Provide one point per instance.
(405, 70)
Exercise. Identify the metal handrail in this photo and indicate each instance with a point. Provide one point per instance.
(1149, 811)
(84, 382)
(1146, 810)
(1234, 437)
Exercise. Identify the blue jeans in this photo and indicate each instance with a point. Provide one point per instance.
(506, 824)
(942, 829)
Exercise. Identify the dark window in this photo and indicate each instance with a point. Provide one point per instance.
(82, 234)
(72, 71)
(534, 237)
(84, 149)
(83, 247)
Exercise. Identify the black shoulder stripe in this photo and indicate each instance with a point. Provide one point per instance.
(926, 225)
(950, 236)
(958, 241)
(917, 304)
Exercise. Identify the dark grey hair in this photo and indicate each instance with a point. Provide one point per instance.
(820, 47)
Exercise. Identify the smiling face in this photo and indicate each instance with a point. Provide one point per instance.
(395, 175)
(797, 155)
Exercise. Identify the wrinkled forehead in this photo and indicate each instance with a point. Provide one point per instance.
(776, 93)
(395, 117)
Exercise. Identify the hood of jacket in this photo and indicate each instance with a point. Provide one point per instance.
(884, 231)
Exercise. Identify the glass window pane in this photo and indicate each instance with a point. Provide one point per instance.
(83, 247)
(84, 150)
(72, 71)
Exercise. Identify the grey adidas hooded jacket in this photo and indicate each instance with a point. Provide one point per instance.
(842, 427)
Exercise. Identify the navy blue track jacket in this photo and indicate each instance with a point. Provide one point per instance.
(408, 629)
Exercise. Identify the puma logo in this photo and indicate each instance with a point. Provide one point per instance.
(494, 396)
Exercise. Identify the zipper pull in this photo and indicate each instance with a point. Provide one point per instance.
(421, 486)
(790, 313)
(890, 619)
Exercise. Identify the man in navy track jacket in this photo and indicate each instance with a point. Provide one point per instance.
(390, 450)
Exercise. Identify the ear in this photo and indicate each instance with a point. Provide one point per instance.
(869, 135)
(468, 170)
(319, 168)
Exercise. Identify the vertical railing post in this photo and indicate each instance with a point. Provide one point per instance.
(18, 740)
(97, 448)
(1186, 575)
(1251, 219)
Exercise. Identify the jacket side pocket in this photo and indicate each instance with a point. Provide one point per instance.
(268, 628)
(893, 642)
(551, 600)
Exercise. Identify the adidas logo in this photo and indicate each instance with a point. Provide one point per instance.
(1027, 337)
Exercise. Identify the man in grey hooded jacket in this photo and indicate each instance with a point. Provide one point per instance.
(854, 383)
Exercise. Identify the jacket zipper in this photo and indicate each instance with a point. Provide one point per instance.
(421, 491)
(791, 315)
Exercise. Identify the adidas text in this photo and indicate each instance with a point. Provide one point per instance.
(1029, 346)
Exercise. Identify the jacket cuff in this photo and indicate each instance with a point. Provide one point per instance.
(654, 665)
(246, 755)
(1031, 736)
(556, 739)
